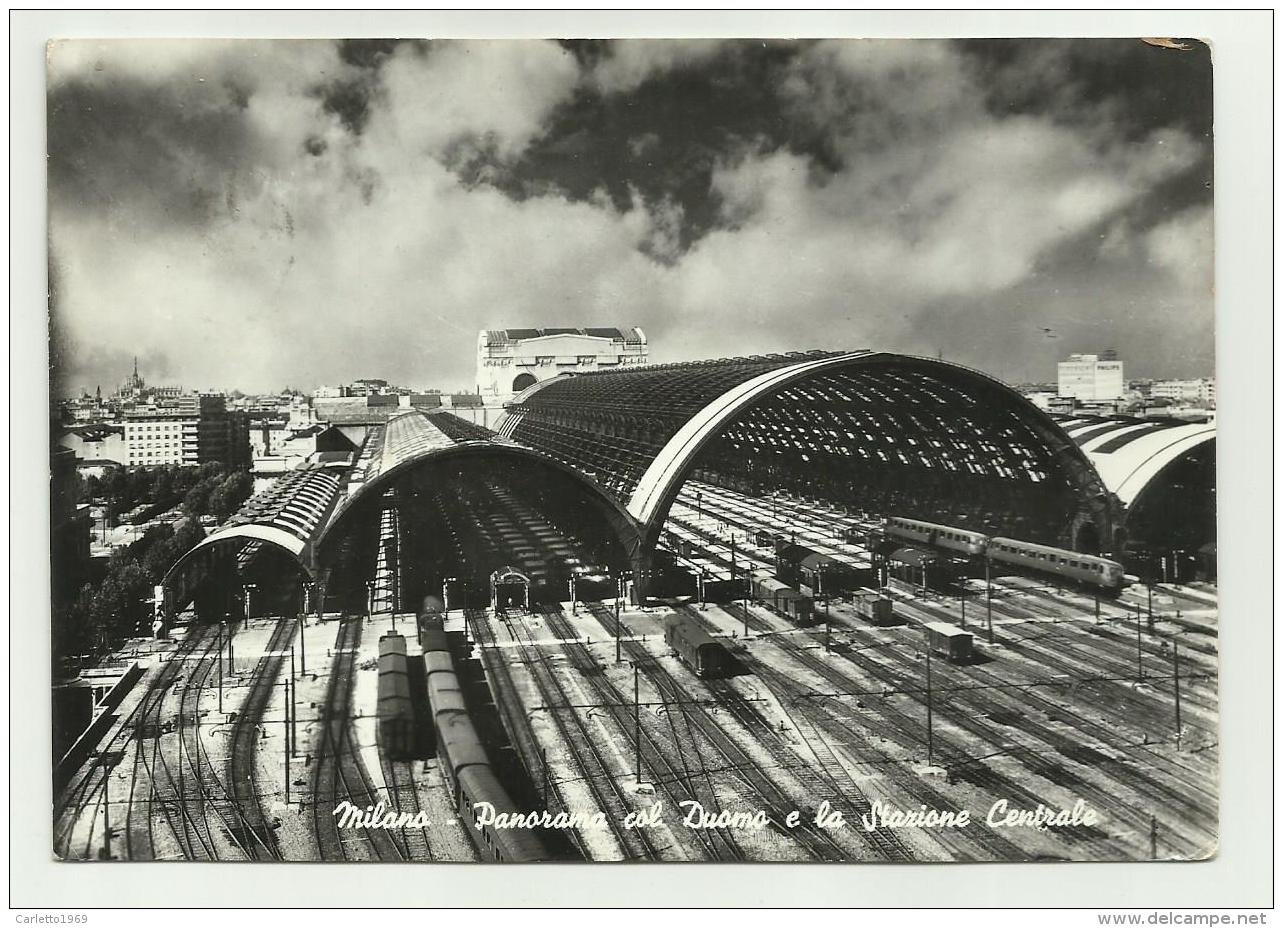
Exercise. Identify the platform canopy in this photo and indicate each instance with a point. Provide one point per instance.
(885, 433)
(286, 518)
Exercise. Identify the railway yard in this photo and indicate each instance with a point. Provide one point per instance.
(833, 739)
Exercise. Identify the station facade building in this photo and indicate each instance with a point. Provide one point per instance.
(512, 360)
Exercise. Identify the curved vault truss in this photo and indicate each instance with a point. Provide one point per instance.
(876, 430)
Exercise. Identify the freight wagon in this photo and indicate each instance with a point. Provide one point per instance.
(949, 641)
(879, 610)
(782, 598)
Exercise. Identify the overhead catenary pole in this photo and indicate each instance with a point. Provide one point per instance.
(287, 742)
(637, 720)
(293, 705)
(106, 816)
(220, 668)
(930, 729)
(1176, 681)
(988, 598)
(1140, 669)
(619, 625)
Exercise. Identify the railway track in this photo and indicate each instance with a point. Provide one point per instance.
(834, 781)
(339, 773)
(258, 837)
(602, 782)
(168, 788)
(1118, 691)
(403, 797)
(92, 787)
(517, 721)
(819, 843)
(1050, 755)
(679, 785)
(854, 728)
(222, 815)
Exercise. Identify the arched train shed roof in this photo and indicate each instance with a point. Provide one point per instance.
(288, 515)
(1130, 454)
(900, 433)
(417, 439)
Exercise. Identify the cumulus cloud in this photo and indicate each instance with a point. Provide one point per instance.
(307, 268)
(938, 203)
(635, 61)
(268, 213)
(495, 92)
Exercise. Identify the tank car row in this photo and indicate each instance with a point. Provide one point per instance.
(1099, 573)
(398, 726)
(464, 762)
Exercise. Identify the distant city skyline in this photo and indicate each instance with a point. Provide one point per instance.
(73, 390)
(264, 213)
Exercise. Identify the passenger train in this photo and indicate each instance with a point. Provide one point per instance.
(464, 763)
(1097, 573)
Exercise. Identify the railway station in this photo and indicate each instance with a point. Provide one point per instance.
(737, 589)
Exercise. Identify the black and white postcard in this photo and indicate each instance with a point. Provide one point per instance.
(643, 450)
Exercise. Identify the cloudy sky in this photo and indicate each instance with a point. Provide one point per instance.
(262, 214)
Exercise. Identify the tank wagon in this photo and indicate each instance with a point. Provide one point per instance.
(464, 762)
(397, 724)
(698, 649)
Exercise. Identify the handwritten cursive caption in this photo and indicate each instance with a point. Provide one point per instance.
(694, 816)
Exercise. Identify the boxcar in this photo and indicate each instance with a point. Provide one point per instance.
(723, 591)
(949, 641)
(799, 565)
(876, 609)
(781, 597)
(696, 647)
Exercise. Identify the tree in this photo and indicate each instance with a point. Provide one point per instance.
(230, 494)
(162, 490)
(196, 502)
